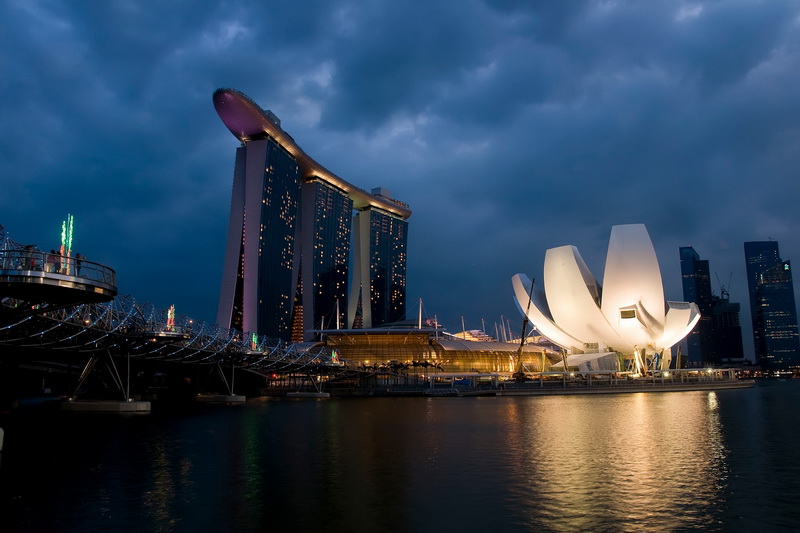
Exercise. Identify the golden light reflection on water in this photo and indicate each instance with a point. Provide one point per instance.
(637, 461)
(631, 459)
(604, 463)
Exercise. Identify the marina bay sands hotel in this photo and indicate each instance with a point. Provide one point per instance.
(289, 267)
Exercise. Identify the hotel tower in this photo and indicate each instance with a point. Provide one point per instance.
(296, 255)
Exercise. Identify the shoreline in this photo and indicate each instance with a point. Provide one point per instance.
(633, 387)
(530, 388)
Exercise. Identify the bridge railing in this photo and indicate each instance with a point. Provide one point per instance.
(126, 327)
(32, 260)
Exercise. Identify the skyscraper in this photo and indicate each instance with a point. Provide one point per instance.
(379, 262)
(696, 288)
(718, 334)
(266, 185)
(772, 306)
(326, 251)
(287, 260)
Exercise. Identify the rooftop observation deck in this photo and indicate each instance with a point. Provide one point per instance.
(35, 276)
(247, 122)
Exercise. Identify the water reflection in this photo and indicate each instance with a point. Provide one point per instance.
(660, 461)
(637, 461)
(159, 500)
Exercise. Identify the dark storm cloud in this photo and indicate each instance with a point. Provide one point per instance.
(510, 127)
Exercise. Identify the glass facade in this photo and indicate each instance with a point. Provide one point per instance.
(259, 279)
(772, 304)
(276, 242)
(300, 269)
(388, 243)
(777, 317)
(697, 288)
(332, 216)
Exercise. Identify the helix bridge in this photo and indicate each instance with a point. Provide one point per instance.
(57, 304)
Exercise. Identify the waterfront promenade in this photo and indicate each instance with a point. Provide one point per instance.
(441, 384)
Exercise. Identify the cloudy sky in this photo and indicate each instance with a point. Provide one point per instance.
(509, 127)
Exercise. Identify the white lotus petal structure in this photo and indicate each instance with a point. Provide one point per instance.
(627, 314)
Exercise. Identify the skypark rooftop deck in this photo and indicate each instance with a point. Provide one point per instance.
(247, 121)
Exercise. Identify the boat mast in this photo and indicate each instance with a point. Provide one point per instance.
(519, 375)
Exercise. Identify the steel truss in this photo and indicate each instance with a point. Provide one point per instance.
(124, 327)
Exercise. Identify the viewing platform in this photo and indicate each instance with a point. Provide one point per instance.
(35, 276)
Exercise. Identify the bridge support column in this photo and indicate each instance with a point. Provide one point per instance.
(125, 389)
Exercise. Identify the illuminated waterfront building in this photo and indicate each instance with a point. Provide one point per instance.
(287, 261)
(627, 315)
(772, 306)
(414, 350)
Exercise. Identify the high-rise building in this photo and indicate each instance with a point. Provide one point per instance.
(726, 330)
(696, 288)
(266, 185)
(326, 250)
(379, 262)
(287, 261)
(772, 306)
(718, 335)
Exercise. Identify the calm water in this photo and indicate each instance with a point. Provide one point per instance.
(725, 461)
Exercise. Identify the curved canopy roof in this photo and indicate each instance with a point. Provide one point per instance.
(628, 312)
(247, 121)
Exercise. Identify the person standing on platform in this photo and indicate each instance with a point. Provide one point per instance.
(78, 262)
(51, 262)
(30, 258)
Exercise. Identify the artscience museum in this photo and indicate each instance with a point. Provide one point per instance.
(623, 324)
